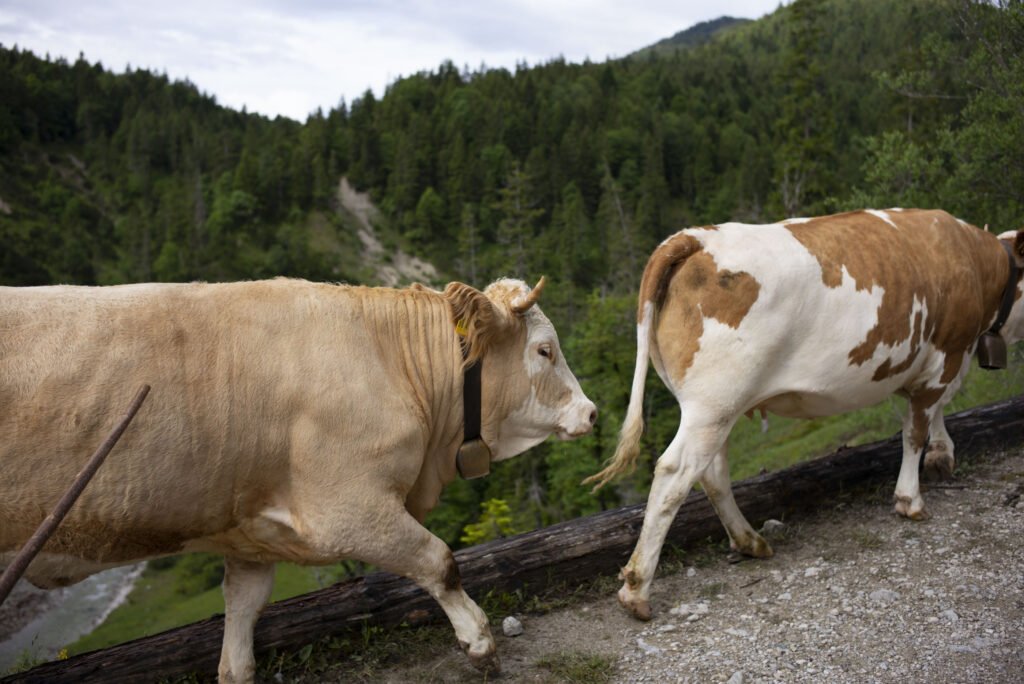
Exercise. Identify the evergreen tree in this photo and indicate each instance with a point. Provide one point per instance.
(516, 229)
(805, 126)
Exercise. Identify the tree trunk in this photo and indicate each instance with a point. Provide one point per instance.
(567, 552)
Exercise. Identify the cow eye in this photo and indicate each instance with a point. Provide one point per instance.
(545, 351)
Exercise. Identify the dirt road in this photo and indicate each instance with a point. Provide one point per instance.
(853, 594)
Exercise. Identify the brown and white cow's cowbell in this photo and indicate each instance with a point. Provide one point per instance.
(991, 345)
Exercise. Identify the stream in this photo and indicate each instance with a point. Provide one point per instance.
(67, 615)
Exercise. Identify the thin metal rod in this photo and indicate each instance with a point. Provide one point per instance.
(17, 566)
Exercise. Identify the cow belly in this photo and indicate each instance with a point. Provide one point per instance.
(54, 570)
(841, 390)
(814, 405)
(267, 538)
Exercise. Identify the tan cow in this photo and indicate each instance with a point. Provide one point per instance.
(288, 421)
(807, 318)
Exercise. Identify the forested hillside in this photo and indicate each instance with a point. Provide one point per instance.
(575, 171)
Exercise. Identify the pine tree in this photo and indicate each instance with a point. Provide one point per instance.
(516, 229)
(804, 129)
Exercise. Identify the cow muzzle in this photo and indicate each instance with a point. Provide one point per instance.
(581, 421)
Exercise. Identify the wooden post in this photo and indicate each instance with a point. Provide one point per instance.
(49, 524)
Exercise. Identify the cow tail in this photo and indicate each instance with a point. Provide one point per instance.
(660, 268)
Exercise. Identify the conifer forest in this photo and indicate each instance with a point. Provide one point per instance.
(572, 171)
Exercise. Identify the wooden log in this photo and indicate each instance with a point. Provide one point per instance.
(567, 552)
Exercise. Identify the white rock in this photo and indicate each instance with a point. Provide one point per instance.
(884, 595)
(737, 632)
(511, 626)
(690, 609)
(956, 648)
(812, 571)
(949, 615)
(785, 596)
(737, 678)
(647, 648)
(772, 526)
(690, 572)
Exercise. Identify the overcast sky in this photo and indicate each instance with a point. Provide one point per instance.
(289, 57)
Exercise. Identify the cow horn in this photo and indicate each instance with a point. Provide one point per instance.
(521, 304)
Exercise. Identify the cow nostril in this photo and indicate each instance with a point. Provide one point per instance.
(593, 416)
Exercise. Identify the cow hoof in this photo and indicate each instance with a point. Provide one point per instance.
(754, 546)
(488, 664)
(938, 466)
(903, 507)
(638, 608)
(229, 677)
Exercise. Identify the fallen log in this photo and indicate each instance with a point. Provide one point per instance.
(570, 551)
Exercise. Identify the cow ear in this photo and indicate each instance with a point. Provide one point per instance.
(473, 316)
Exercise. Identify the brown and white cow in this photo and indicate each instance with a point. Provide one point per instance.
(288, 421)
(806, 318)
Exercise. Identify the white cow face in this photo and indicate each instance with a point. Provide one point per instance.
(1013, 330)
(539, 393)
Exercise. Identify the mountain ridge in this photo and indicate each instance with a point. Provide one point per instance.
(691, 37)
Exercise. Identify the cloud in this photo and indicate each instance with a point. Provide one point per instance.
(290, 57)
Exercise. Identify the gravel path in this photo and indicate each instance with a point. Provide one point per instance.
(859, 595)
(853, 594)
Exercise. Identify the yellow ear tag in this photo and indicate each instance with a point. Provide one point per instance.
(462, 327)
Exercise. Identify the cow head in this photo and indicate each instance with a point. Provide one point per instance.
(528, 390)
(1013, 330)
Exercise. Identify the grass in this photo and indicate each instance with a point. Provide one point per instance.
(357, 654)
(866, 539)
(24, 662)
(712, 590)
(157, 604)
(498, 605)
(576, 666)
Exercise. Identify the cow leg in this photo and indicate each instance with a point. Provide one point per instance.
(247, 586)
(907, 497)
(717, 486)
(406, 548)
(684, 461)
(938, 462)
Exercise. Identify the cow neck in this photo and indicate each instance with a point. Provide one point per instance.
(991, 345)
(474, 457)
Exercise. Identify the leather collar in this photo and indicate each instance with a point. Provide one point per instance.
(474, 457)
